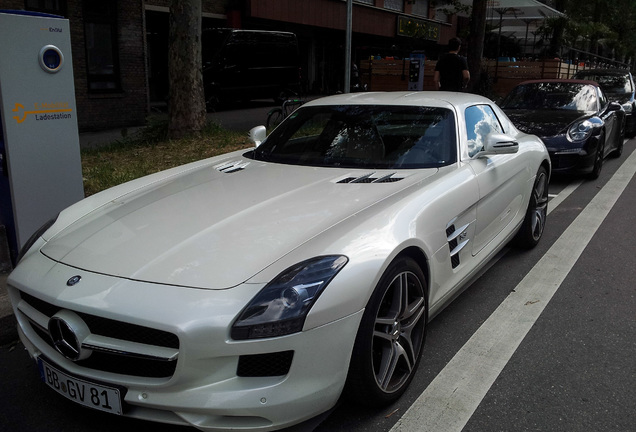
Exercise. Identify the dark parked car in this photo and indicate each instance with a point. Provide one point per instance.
(575, 120)
(249, 64)
(618, 85)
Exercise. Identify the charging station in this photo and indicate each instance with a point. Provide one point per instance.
(416, 71)
(40, 163)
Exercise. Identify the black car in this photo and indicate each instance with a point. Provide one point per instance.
(575, 120)
(618, 85)
(249, 64)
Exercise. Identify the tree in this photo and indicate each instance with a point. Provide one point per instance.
(186, 105)
(597, 26)
(476, 42)
(559, 25)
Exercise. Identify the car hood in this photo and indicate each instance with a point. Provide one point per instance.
(543, 123)
(215, 227)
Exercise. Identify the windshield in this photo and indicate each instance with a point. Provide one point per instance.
(552, 95)
(611, 83)
(364, 137)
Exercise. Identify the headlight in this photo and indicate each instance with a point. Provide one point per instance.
(580, 131)
(628, 107)
(36, 235)
(282, 306)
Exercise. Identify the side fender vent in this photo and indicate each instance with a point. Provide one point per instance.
(456, 242)
(230, 167)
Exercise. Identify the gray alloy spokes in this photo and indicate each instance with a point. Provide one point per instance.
(397, 337)
(541, 208)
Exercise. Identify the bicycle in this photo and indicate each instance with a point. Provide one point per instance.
(278, 114)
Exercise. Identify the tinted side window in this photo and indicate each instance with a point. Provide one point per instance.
(602, 99)
(481, 120)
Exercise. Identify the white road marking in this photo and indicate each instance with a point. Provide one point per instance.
(566, 192)
(451, 399)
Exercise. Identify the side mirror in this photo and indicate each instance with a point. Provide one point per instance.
(498, 144)
(257, 135)
(615, 106)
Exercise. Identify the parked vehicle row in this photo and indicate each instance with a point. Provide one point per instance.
(255, 289)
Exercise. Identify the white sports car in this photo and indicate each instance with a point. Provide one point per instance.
(251, 290)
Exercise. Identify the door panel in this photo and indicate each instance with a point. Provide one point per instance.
(500, 179)
(501, 183)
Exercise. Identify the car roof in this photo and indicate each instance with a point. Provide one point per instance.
(564, 81)
(421, 98)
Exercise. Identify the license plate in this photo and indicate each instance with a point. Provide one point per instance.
(83, 392)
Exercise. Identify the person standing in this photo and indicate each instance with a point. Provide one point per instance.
(451, 70)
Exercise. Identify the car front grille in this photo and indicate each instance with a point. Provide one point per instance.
(125, 361)
(564, 161)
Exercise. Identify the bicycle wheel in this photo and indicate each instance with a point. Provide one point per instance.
(274, 117)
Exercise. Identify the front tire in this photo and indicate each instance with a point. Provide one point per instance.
(620, 143)
(389, 343)
(534, 223)
(598, 161)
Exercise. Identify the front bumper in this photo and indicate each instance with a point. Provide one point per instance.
(204, 387)
(570, 159)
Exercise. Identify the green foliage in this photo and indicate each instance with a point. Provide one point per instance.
(598, 26)
(149, 151)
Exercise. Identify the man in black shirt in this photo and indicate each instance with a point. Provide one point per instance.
(451, 70)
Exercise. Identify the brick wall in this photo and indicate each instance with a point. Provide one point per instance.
(12, 4)
(129, 106)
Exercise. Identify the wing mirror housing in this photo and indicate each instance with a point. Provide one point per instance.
(615, 106)
(257, 135)
(496, 144)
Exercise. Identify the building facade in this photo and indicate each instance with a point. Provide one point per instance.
(120, 46)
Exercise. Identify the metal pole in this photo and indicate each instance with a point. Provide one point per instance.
(347, 77)
(501, 13)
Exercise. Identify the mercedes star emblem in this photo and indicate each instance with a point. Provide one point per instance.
(73, 281)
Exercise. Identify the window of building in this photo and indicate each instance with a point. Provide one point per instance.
(369, 2)
(420, 8)
(443, 10)
(54, 7)
(396, 5)
(100, 33)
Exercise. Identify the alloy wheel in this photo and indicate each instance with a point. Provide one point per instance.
(540, 212)
(398, 332)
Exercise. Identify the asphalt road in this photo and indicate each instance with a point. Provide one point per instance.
(543, 340)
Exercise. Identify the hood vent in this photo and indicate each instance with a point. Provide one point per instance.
(371, 178)
(230, 167)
